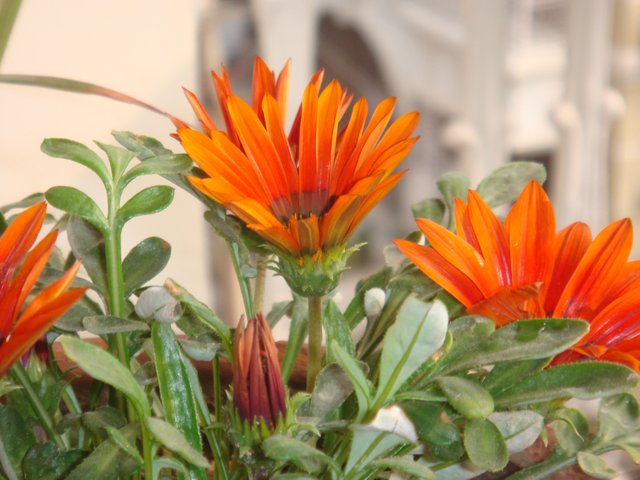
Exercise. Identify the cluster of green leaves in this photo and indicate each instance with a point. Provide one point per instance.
(424, 393)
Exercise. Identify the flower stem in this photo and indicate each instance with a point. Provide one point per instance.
(147, 451)
(245, 288)
(20, 376)
(260, 284)
(314, 360)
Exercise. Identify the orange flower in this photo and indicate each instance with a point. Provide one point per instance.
(521, 268)
(304, 192)
(19, 269)
(258, 390)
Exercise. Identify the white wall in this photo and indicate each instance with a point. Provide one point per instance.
(146, 48)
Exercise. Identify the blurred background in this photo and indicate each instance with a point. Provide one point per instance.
(554, 81)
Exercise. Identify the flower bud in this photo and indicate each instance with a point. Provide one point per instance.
(374, 300)
(258, 389)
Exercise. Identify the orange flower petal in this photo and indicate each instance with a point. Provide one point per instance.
(509, 304)
(596, 272)
(201, 113)
(441, 271)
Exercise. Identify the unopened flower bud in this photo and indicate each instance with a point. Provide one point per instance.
(374, 299)
(157, 303)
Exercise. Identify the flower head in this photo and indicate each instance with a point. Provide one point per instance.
(258, 390)
(521, 268)
(20, 328)
(304, 192)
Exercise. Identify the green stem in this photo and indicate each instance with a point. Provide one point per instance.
(20, 376)
(260, 284)
(211, 432)
(245, 288)
(314, 361)
(147, 451)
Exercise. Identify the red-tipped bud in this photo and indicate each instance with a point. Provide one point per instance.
(258, 390)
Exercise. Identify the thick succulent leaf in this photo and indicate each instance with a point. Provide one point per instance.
(79, 153)
(88, 246)
(485, 445)
(119, 159)
(160, 165)
(75, 202)
(466, 396)
(145, 202)
(504, 185)
(146, 260)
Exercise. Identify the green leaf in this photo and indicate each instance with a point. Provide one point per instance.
(200, 351)
(79, 153)
(418, 332)
(521, 340)
(45, 462)
(201, 311)
(88, 246)
(360, 383)
(146, 260)
(145, 202)
(297, 333)
(505, 374)
(119, 159)
(571, 429)
(580, 380)
(146, 147)
(453, 185)
(174, 440)
(26, 202)
(485, 446)
(504, 185)
(124, 443)
(595, 466)
(108, 324)
(99, 420)
(175, 388)
(431, 208)
(161, 165)
(16, 438)
(106, 368)
(404, 465)
(355, 311)
(75, 202)
(282, 448)
(467, 397)
(519, 428)
(337, 329)
(369, 444)
(108, 460)
(617, 415)
(331, 389)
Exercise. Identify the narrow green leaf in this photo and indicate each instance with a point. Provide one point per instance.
(404, 465)
(26, 202)
(108, 460)
(16, 438)
(161, 165)
(505, 374)
(337, 329)
(146, 147)
(79, 153)
(8, 12)
(367, 445)
(75, 202)
(357, 377)
(145, 202)
(174, 440)
(583, 380)
(467, 397)
(282, 448)
(88, 246)
(175, 388)
(297, 333)
(521, 340)
(124, 443)
(108, 324)
(504, 184)
(119, 159)
(484, 445)
(595, 466)
(106, 368)
(146, 260)
(419, 331)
